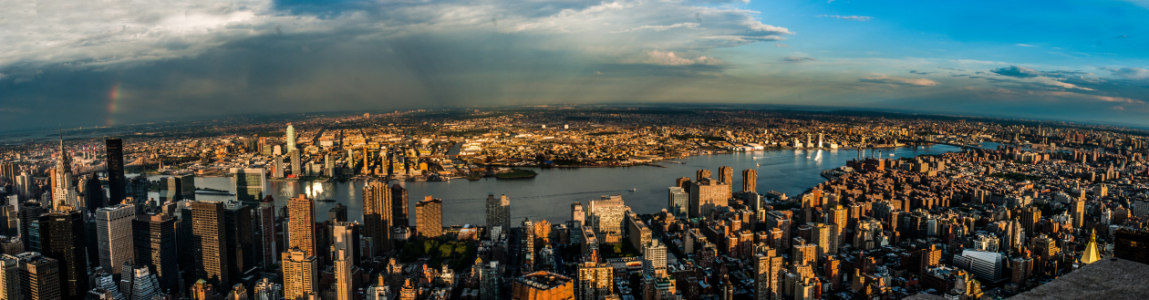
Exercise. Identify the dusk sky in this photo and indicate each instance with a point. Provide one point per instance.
(89, 63)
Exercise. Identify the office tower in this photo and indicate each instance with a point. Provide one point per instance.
(498, 212)
(116, 179)
(542, 285)
(10, 278)
(301, 224)
(606, 216)
(265, 221)
(578, 216)
(725, 175)
(1077, 211)
(702, 174)
(984, 265)
(290, 138)
(767, 266)
(63, 182)
(1030, 216)
(114, 236)
(29, 212)
(705, 195)
(337, 213)
(144, 284)
(345, 235)
(399, 211)
(377, 218)
(300, 274)
(343, 273)
(430, 217)
(238, 238)
(40, 277)
(678, 201)
(156, 247)
(277, 167)
(295, 168)
(750, 180)
(1131, 244)
(8, 172)
(248, 184)
(267, 290)
(93, 192)
(654, 259)
(62, 237)
(207, 243)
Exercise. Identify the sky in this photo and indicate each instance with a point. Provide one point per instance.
(111, 62)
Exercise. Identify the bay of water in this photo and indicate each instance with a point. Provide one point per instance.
(549, 195)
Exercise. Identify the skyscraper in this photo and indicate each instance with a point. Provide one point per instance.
(399, 211)
(115, 161)
(114, 236)
(290, 138)
(343, 273)
(498, 212)
(377, 216)
(767, 266)
(578, 215)
(10, 278)
(300, 274)
(345, 235)
(155, 246)
(92, 191)
(62, 238)
(750, 180)
(207, 243)
(265, 222)
(527, 245)
(337, 213)
(301, 224)
(238, 238)
(40, 277)
(29, 212)
(678, 201)
(430, 217)
(248, 184)
(63, 182)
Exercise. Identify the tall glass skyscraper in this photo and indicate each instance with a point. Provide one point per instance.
(115, 148)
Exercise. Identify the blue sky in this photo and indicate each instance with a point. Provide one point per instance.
(107, 63)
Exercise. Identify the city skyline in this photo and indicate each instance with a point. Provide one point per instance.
(1061, 60)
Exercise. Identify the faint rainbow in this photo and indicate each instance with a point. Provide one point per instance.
(113, 97)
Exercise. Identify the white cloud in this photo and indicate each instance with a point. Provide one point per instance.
(1129, 72)
(848, 18)
(668, 58)
(886, 79)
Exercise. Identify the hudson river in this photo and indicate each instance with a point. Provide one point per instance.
(549, 195)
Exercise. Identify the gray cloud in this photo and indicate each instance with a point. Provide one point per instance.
(886, 79)
(1017, 71)
(798, 58)
(848, 18)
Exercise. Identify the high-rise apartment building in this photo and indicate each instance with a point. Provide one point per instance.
(595, 280)
(115, 162)
(377, 210)
(726, 175)
(301, 224)
(678, 202)
(344, 264)
(767, 267)
(578, 215)
(750, 180)
(300, 274)
(399, 210)
(706, 194)
(345, 235)
(62, 237)
(40, 277)
(498, 212)
(114, 236)
(654, 259)
(155, 246)
(430, 217)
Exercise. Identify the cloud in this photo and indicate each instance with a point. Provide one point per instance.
(798, 58)
(1026, 45)
(886, 79)
(1129, 72)
(782, 45)
(920, 72)
(668, 58)
(1017, 71)
(848, 18)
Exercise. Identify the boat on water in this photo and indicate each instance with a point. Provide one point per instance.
(633, 190)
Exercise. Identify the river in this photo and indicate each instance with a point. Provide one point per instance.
(549, 195)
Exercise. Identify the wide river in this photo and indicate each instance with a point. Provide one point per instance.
(549, 195)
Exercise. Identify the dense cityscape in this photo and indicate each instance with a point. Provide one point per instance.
(115, 213)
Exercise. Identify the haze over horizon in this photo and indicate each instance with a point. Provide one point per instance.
(107, 63)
